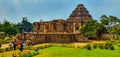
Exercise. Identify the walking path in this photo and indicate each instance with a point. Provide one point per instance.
(5, 45)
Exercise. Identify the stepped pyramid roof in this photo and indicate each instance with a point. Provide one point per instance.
(80, 14)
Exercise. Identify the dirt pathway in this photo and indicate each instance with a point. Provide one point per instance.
(5, 45)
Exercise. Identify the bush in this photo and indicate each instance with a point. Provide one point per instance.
(0, 50)
(30, 54)
(109, 46)
(88, 47)
(95, 45)
(119, 46)
(81, 47)
(101, 46)
(6, 49)
(106, 46)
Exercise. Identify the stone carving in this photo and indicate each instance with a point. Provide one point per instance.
(62, 30)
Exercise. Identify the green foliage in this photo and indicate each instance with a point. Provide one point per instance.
(112, 23)
(37, 47)
(109, 45)
(25, 25)
(119, 45)
(88, 46)
(0, 50)
(104, 20)
(8, 28)
(72, 52)
(113, 19)
(95, 45)
(92, 29)
(101, 46)
(6, 39)
(115, 30)
(30, 54)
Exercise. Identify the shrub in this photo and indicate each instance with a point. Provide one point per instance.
(88, 46)
(106, 46)
(101, 46)
(111, 47)
(6, 49)
(30, 54)
(0, 50)
(95, 45)
(119, 46)
(81, 47)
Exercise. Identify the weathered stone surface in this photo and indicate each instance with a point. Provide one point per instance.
(71, 25)
(61, 31)
(80, 14)
(57, 38)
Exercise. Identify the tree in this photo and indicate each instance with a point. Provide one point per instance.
(92, 29)
(25, 25)
(8, 28)
(109, 22)
(113, 22)
(118, 21)
(116, 30)
(104, 20)
(113, 19)
(41, 20)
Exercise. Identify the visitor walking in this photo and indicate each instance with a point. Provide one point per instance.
(22, 45)
(29, 43)
(10, 44)
(14, 44)
(18, 42)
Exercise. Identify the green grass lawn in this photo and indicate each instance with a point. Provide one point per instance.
(72, 52)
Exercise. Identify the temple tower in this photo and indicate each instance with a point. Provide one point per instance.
(78, 18)
(80, 14)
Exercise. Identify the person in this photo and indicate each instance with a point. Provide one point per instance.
(0, 45)
(22, 45)
(18, 42)
(14, 44)
(29, 43)
(10, 44)
(32, 43)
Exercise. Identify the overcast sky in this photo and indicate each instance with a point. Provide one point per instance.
(14, 10)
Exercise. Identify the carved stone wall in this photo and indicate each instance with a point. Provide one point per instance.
(57, 38)
(61, 31)
(71, 25)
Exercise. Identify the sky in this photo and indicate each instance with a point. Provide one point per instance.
(36, 10)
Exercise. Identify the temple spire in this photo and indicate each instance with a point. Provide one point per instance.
(80, 14)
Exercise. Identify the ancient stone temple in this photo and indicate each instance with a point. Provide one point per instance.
(71, 25)
(60, 30)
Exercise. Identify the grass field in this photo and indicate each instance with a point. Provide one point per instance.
(74, 52)
(10, 53)
(69, 50)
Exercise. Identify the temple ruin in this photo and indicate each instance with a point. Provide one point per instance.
(59, 30)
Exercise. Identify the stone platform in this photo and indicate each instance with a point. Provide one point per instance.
(57, 38)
